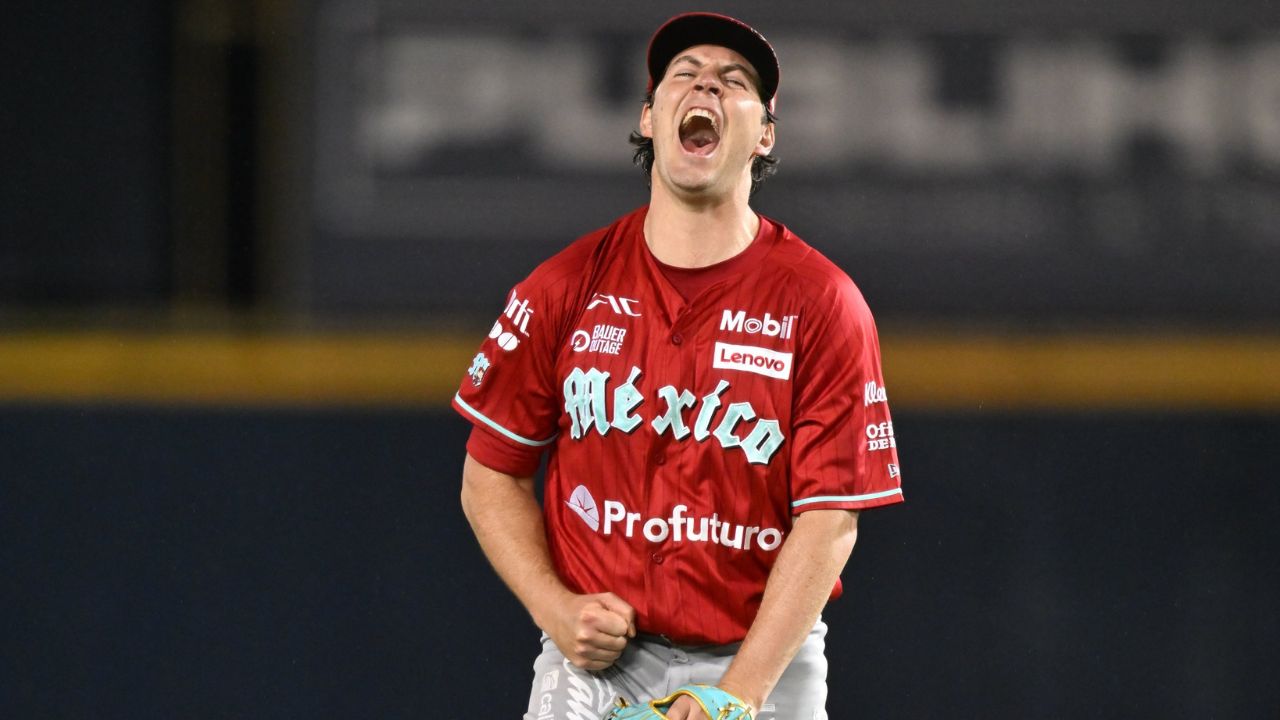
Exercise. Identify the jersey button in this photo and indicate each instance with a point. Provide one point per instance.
(676, 338)
(659, 459)
(657, 558)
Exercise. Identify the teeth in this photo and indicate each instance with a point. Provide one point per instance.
(699, 112)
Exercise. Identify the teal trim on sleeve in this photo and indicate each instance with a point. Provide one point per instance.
(501, 430)
(846, 498)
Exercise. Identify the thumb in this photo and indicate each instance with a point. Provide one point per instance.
(615, 604)
(685, 708)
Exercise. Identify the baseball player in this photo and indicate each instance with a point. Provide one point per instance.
(707, 390)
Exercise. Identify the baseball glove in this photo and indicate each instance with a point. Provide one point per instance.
(718, 704)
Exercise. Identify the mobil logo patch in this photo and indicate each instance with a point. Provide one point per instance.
(769, 326)
(748, 358)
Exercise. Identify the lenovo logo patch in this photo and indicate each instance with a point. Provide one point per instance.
(746, 358)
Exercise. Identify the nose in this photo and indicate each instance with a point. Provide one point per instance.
(708, 83)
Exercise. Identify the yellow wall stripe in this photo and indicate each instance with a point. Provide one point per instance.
(926, 371)
(1085, 372)
(233, 369)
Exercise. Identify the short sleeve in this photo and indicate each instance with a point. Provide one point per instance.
(845, 455)
(508, 391)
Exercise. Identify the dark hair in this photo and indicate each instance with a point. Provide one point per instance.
(762, 166)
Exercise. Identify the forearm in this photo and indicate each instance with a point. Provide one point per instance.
(808, 565)
(507, 522)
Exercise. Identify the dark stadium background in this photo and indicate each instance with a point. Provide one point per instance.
(247, 249)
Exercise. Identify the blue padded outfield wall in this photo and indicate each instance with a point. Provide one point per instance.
(163, 563)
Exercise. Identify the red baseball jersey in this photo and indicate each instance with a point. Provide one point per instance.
(684, 434)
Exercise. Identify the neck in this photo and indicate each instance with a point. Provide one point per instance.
(698, 232)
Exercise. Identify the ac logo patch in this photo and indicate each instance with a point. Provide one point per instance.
(619, 305)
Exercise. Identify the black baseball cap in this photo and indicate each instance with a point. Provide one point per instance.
(704, 28)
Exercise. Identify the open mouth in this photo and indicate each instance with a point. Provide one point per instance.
(699, 132)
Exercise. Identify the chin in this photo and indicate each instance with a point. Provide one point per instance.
(702, 186)
(691, 180)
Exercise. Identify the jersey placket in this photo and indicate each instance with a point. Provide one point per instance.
(671, 351)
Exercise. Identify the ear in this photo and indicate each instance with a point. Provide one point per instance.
(765, 146)
(646, 120)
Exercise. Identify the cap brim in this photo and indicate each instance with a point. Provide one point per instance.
(685, 31)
